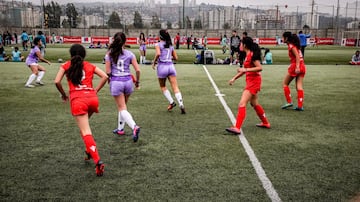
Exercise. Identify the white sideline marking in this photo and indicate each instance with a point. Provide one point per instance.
(270, 190)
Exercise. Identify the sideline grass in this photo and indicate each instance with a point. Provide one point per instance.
(308, 156)
(322, 55)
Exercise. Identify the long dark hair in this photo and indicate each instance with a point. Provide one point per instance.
(75, 72)
(142, 36)
(165, 36)
(292, 39)
(116, 47)
(248, 42)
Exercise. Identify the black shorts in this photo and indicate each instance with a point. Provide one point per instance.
(234, 49)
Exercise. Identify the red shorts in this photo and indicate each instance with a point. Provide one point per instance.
(253, 84)
(84, 105)
(292, 67)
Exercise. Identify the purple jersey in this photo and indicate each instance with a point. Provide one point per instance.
(32, 57)
(165, 66)
(120, 71)
(165, 53)
(121, 81)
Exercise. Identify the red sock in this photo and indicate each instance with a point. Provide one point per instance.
(240, 117)
(300, 98)
(287, 94)
(90, 145)
(261, 114)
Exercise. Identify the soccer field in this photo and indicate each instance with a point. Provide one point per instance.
(312, 155)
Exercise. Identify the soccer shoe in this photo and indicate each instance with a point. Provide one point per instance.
(182, 108)
(87, 156)
(99, 168)
(263, 125)
(29, 86)
(287, 105)
(171, 106)
(39, 83)
(136, 132)
(233, 130)
(119, 132)
(299, 108)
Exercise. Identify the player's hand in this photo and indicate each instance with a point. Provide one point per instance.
(154, 66)
(64, 98)
(137, 85)
(231, 82)
(297, 70)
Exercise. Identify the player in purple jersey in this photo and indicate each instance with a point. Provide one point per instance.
(142, 48)
(117, 64)
(32, 59)
(166, 70)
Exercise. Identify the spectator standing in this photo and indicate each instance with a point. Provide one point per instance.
(24, 39)
(15, 38)
(177, 40)
(234, 46)
(303, 42)
(43, 41)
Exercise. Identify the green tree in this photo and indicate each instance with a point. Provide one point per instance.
(53, 11)
(188, 22)
(197, 23)
(169, 25)
(155, 22)
(114, 20)
(72, 15)
(226, 25)
(138, 23)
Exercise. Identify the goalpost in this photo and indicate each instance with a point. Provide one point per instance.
(350, 37)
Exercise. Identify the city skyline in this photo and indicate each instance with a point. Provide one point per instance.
(243, 3)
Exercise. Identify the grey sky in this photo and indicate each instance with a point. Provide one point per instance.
(328, 6)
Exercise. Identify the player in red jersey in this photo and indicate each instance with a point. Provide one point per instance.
(252, 69)
(296, 70)
(83, 97)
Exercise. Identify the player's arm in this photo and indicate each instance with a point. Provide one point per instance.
(41, 58)
(157, 55)
(257, 68)
(297, 56)
(57, 81)
(238, 75)
(137, 71)
(103, 78)
(174, 55)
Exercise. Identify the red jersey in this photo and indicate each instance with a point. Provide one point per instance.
(253, 79)
(248, 63)
(86, 87)
(292, 56)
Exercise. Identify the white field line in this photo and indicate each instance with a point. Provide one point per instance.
(270, 190)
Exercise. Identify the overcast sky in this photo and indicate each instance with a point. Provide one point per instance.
(292, 5)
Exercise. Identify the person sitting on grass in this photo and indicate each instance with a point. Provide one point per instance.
(16, 55)
(355, 60)
(267, 57)
(3, 56)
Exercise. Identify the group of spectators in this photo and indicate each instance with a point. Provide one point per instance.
(16, 56)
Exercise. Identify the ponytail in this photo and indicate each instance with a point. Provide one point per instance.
(75, 72)
(165, 36)
(116, 47)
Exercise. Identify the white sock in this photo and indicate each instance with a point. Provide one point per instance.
(40, 75)
(168, 96)
(31, 79)
(179, 99)
(126, 116)
(121, 122)
(144, 59)
(141, 59)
